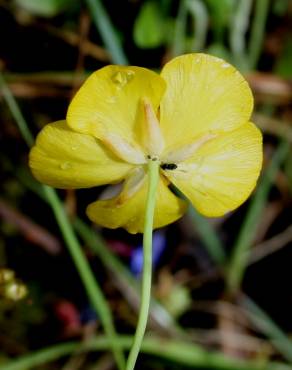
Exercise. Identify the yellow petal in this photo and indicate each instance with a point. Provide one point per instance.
(66, 159)
(128, 211)
(203, 94)
(109, 101)
(222, 173)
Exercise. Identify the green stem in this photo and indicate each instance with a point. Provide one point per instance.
(153, 173)
(92, 288)
(257, 31)
(178, 46)
(199, 13)
(267, 326)
(240, 251)
(239, 26)
(209, 237)
(15, 112)
(181, 353)
(126, 283)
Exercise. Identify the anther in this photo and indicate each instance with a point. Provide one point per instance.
(152, 157)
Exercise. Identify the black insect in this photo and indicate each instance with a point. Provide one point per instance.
(168, 166)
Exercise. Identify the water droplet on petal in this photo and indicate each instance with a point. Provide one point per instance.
(65, 165)
(117, 78)
(130, 74)
(121, 78)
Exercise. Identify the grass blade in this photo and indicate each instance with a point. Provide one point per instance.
(257, 31)
(238, 28)
(240, 255)
(183, 354)
(91, 286)
(209, 237)
(267, 326)
(107, 31)
(199, 12)
(178, 46)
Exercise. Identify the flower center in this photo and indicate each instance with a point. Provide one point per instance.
(153, 143)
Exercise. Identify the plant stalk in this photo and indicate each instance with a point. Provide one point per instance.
(153, 173)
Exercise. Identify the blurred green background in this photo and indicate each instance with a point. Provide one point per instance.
(222, 296)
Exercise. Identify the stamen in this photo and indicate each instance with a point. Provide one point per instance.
(153, 138)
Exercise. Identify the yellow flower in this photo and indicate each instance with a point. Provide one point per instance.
(193, 118)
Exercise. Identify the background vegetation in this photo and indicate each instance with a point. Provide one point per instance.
(222, 295)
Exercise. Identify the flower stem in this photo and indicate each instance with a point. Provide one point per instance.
(153, 173)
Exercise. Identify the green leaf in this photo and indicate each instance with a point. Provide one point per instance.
(45, 8)
(149, 30)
